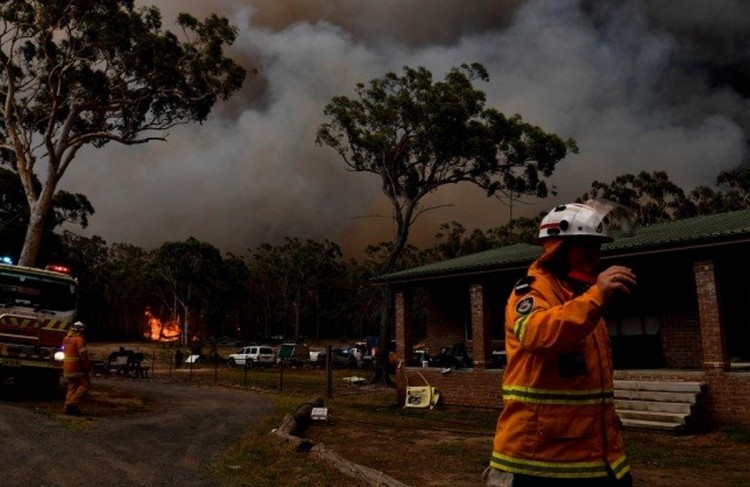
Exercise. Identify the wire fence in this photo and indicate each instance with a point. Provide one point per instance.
(308, 379)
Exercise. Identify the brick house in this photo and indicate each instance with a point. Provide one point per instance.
(689, 319)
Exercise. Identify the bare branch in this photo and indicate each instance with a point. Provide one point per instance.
(425, 210)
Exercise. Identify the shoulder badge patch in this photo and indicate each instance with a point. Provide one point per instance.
(523, 285)
(524, 306)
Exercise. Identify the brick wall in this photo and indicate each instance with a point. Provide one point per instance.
(481, 345)
(404, 324)
(680, 340)
(690, 329)
(712, 338)
(460, 387)
(729, 397)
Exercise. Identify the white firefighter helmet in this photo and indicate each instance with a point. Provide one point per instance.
(78, 326)
(589, 219)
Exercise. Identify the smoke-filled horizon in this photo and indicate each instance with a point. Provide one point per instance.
(640, 85)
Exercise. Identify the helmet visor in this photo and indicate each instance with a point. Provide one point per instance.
(617, 219)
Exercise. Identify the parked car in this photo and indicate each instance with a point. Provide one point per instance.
(362, 358)
(314, 354)
(340, 359)
(251, 356)
(294, 354)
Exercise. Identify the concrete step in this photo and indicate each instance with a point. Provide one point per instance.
(677, 397)
(664, 407)
(662, 386)
(675, 418)
(656, 405)
(653, 425)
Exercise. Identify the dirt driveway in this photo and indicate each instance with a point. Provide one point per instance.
(173, 440)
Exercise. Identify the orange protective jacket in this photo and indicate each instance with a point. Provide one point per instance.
(76, 362)
(558, 418)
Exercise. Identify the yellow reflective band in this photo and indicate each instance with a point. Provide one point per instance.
(519, 328)
(620, 467)
(552, 396)
(549, 469)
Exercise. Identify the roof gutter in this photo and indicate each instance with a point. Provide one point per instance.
(524, 265)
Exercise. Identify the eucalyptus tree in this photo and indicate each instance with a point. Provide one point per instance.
(418, 135)
(229, 297)
(89, 261)
(185, 276)
(80, 73)
(291, 280)
(736, 184)
(650, 197)
(267, 290)
(518, 230)
(66, 208)
(313, 266)
(113, 285)
(452, 241)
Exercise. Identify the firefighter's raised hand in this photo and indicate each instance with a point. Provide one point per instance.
(616, 280)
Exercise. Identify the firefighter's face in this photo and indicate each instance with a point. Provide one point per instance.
(584, 255)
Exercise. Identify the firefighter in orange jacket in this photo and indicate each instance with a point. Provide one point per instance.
(76, 368)
(558, 425)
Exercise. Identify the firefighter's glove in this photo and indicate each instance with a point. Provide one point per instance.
(616, 280)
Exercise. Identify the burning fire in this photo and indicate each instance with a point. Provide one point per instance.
(161, 331)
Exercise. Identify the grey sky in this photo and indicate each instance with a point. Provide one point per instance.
(640, 85)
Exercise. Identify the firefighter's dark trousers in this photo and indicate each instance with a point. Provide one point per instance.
(77, 388)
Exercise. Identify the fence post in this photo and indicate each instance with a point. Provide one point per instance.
(329, 371)
(281, 375)
(245, 369)
(216, 369)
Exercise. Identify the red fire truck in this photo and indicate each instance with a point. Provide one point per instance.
(37, 308)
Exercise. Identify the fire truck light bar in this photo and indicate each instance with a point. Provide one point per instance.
(58, 268)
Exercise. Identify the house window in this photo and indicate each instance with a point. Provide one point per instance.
(635, 342)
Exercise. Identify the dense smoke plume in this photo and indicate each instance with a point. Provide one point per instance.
(640, 85)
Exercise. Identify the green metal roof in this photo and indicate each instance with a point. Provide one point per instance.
(679, 234)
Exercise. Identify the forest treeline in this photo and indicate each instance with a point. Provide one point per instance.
(298, 288)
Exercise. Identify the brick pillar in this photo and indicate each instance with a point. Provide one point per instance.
(713, 339)
(404, 324)
(481, 333)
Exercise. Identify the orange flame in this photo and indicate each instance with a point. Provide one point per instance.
(161, 331)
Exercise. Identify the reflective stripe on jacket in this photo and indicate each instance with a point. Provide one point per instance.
(558, 417)
(76, 361)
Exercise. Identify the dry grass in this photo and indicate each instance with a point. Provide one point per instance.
(446, 446)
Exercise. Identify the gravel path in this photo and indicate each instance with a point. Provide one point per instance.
(174, 446)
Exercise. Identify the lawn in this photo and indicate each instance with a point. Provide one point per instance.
(445, 446)
(450, 446)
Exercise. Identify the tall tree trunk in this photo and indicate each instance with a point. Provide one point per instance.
(33, 240)
(384, 341)
(186, 327)
(403, 220)
(296, 305)
(38, 211)
(317, 315)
